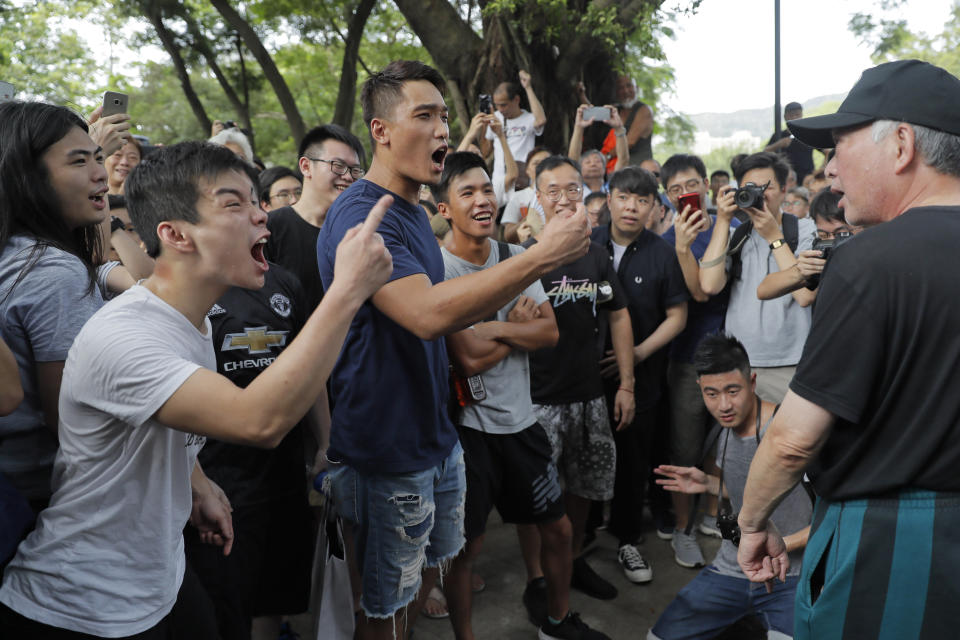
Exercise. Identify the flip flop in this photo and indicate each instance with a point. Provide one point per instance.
(440, 608)
(477, 583)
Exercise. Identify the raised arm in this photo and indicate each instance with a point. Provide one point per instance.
(430, 311)
(713, 265)
(262, 413)
(641, 127)
(686, 228)
(539, 117)
(510, 165)
(476, 132)
(766, 225)
(575, 148)
(785, 281)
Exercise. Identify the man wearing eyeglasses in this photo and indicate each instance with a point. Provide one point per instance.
(832, 231)
(566, 384)
(330, 161)
(773, 331)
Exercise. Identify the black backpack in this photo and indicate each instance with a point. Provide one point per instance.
(790, 234)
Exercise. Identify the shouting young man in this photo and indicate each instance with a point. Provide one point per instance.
(395, 461)
(140, 395)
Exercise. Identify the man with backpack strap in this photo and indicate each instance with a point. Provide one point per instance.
(773, 331)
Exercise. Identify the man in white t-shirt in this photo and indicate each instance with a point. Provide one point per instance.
(520, 126)
(140, 395)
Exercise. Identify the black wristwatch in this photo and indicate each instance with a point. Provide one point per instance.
(116, 224)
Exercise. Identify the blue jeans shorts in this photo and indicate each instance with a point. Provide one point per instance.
(402, 522)
(711, 602)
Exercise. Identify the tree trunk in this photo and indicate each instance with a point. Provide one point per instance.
(346, 95)
(170, 46)
(202, 46)
(513, 41)
(270, 70)
(451, 42)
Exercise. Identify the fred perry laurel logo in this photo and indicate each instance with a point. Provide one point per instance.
(637, 279)
(280, 304)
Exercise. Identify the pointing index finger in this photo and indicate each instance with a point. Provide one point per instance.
(375, 217)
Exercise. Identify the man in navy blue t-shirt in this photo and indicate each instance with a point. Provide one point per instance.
(396, 464)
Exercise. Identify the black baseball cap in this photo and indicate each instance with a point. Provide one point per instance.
(906, 91)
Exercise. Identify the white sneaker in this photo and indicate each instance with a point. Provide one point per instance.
(634, 566)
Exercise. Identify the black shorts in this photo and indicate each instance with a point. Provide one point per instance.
(192, 618)
(515, 473)
(268, 570)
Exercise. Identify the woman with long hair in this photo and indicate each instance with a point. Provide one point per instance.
(53, 190)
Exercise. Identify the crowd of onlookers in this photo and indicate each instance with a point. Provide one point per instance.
(580, 386)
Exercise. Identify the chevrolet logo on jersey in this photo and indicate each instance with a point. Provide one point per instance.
(254, 340)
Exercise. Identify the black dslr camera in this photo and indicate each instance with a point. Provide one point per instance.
(729, 529)
(750, 195)
(827, 247)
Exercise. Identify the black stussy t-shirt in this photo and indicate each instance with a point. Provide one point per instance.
(578, 292)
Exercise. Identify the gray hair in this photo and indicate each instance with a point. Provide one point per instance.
(236, 137)
(939, 149)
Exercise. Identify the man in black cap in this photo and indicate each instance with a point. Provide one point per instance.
(799, 155)
(873, 409)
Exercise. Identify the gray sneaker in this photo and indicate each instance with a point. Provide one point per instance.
(687, 551)
(708, 526)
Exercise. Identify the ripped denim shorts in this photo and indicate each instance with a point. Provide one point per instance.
(402, 522)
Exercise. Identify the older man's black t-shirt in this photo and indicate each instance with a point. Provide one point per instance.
(578, 292)
(250, 329)
(293, 245)
(883, 355)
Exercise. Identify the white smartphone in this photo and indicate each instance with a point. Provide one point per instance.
(6, 91)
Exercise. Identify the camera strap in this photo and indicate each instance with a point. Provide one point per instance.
(723, 455)
(791, 234)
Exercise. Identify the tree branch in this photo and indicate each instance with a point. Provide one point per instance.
(346, 96)
(270, 70)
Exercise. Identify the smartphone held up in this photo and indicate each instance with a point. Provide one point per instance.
(113, 103)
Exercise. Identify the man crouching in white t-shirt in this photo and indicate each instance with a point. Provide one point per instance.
(140, 395)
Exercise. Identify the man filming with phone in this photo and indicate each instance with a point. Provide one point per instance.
(721, 594)
(593, 163)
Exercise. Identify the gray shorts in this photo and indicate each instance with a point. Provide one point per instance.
(583, 446)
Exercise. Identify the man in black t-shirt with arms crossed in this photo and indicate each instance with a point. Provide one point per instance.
(873, 407)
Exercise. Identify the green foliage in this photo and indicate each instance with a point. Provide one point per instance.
(43, 57)
(42, 53)
(891, 39)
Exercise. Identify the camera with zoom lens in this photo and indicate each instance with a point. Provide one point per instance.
(827, 247)
(750, 195)
(729, 528)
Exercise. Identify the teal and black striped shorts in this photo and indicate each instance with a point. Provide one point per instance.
(882, 568)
